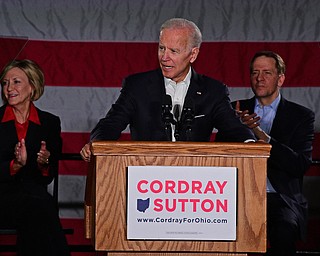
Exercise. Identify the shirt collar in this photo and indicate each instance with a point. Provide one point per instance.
(9, 115)
(274, 105)
(186, 80)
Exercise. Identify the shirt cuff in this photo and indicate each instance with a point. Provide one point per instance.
(268, 139)
(12, 171)
(249, 140)
(45, 171)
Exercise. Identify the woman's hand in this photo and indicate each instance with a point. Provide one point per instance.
(43, 154)
(20, 152)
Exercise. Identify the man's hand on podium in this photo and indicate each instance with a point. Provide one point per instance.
(86, 152)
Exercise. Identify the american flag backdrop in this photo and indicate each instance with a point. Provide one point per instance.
(86, 48)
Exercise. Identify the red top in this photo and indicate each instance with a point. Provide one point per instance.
(22, 129)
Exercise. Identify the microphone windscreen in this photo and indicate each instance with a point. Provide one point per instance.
(176, 111)
(167, 101)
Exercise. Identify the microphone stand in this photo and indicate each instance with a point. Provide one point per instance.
(176, 113)
(188, 121)
(167, 116)
(188, 118)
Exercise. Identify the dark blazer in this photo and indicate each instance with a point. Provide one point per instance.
(140, 106)
(24, 198)
(49, 131)
(291, 134)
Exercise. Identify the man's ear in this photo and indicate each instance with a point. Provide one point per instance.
(281, 80)
(194, 54)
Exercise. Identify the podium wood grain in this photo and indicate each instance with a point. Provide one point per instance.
(105, 202)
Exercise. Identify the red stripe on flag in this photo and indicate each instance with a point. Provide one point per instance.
(105, 64)
(73, 142)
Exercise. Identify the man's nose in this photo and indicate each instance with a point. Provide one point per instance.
(164, 55)
(260, 76)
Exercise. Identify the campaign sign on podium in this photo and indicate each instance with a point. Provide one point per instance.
(181, 203)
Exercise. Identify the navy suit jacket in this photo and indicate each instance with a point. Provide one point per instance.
(292, 135)
(140, 106)
(48, 131)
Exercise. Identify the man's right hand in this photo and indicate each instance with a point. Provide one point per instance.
(252, 121)
(86, 152)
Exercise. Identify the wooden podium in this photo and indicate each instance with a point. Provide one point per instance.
(106, 191)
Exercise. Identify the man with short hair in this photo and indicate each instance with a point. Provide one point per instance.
(289, 128)
(204, 100)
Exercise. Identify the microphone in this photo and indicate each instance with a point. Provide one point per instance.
(188, 116)
(167, 116)
(176, 114)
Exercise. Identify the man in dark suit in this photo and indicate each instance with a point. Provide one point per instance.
(289, 128)
(200, 103)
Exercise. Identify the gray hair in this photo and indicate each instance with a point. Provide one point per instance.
(178, 23)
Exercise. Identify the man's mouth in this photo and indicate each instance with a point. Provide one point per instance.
(260, 86)
(166, 67)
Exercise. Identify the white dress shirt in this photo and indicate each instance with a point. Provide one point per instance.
(178, 92)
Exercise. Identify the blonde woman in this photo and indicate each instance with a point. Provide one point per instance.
(29, 152)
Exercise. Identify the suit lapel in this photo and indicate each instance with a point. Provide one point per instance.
(34, 132)
(195, 90)
(7, 129)
(156, 85)
(276, 126)
(278, 119)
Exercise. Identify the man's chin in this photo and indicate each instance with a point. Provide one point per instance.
(166, 74)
